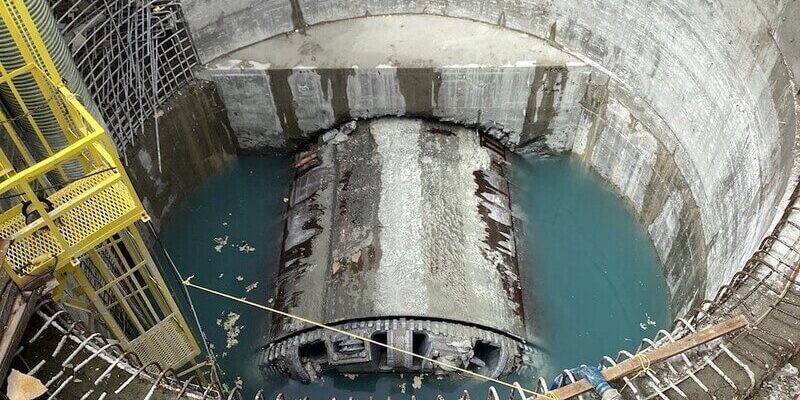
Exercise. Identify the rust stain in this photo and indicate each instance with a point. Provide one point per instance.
(344, 186)
(441, 131)
(359, 261)
(500, 236)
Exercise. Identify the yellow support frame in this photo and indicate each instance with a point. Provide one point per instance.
(91, 224)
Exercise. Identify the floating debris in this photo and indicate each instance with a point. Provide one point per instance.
(251, 286)
(232, 330)
(246, 248)
(221, 242)
(649, 322)
(221, 275)
(239, 278)
(417, 382)
(224, 224)
(219, 322)
(352, 377)
(403, 388)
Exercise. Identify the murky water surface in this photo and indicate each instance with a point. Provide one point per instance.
(592, 281)
(593, 284)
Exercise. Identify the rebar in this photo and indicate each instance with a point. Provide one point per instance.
(133, 56)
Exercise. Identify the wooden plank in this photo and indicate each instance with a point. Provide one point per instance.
(16, 309)
(664, 352)
(4, 245)
(23, 306)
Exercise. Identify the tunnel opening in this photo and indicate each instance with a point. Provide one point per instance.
(314, 352)
(420, 346)
(379, 353)
(486, 358)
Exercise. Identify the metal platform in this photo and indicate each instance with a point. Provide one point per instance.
(83, 213)
(164, 343)
(70, 214)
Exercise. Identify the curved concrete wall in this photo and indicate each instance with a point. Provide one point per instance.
(687, 109)
(193, 143)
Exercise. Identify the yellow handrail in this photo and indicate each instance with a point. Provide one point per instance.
(56, 237)
(47, 164)
(80, 229)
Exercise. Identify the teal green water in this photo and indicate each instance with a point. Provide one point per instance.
(244, 201)
(592, 282)
(591, 275)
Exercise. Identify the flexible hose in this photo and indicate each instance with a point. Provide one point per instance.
(31, 93)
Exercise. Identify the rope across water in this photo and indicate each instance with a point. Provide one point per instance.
(515, 386)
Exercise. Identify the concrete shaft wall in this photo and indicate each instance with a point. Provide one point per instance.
(194, 141)
(685, 108)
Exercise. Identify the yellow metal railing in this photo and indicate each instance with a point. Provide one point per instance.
(64, 220)
(71, 212)
(82, 230)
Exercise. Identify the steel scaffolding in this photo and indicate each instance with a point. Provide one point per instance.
(81, 230)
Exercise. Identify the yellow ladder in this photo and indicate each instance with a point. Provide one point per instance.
(82, 231)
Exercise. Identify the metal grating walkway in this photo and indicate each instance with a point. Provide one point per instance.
(164, 343)
(102, 200)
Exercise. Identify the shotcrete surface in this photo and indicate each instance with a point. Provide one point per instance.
(428, 254)
(410, 40)
(401, 278)
(684, 95)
